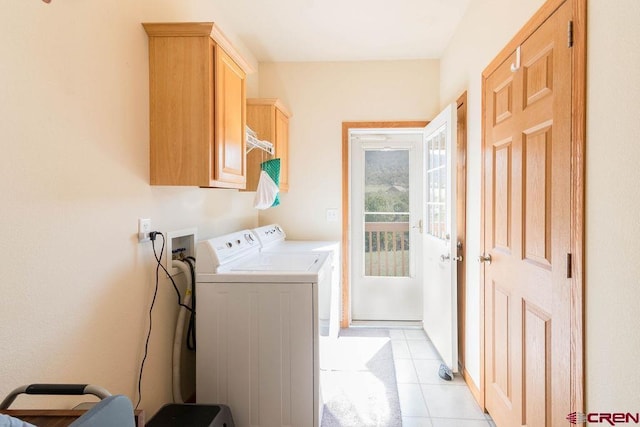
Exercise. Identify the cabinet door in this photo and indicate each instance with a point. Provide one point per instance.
(229, 117)
(180, 109)
(282, 148)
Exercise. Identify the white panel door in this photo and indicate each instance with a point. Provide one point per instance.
(385, 213)
(440, 236)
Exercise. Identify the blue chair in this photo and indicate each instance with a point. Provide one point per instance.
(113, 411)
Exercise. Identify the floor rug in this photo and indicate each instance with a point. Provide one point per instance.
(358, 380)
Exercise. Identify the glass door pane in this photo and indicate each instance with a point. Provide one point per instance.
(386, 213)
(437, 184)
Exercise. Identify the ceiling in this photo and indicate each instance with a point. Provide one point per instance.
(341, 30)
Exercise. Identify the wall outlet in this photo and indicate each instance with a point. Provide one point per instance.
(144, 228)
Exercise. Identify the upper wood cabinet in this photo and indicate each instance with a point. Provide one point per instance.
(269, 118)
(197, 106)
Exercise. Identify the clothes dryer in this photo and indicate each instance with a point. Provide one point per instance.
(273, 239)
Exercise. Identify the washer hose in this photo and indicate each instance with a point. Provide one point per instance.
(177, 340)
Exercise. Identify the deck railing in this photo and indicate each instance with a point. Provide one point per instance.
(386, 246)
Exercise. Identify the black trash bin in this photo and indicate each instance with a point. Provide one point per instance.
(192, 415)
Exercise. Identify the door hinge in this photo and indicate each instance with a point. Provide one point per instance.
(569, 266)
(570, 34)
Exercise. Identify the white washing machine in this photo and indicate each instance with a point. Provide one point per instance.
(273, 239)
(257, 330)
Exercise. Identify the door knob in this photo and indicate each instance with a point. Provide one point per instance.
(485, 258)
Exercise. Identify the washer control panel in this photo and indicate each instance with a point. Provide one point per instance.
(269, 234)
(229, 247)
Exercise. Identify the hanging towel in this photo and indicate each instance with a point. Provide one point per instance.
(272, 167)
(267, 191)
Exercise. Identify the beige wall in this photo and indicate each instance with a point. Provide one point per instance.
(76, 285)
(321, 96)
(613, 196)
(613, 203)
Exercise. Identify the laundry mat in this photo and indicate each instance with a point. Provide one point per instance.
(268, 185)
(359, 384)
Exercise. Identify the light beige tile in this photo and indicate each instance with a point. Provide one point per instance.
(422, 350)
(445, 401)
(411, 401)
(426, 400)
(400, 350)
(415, 334)
(405, 371)
(416, 422)
(451, 422)
(397, 334)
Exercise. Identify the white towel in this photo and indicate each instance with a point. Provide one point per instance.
(266, 192)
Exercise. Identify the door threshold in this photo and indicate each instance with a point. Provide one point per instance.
(390, 324)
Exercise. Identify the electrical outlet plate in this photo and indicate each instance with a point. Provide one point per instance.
(144, 228)
(179, 243)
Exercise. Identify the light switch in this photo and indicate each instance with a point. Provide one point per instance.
(332, 215)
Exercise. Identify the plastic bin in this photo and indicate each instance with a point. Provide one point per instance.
(192, 415)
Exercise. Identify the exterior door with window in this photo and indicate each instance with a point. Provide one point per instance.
(440, 317)
(385, 217)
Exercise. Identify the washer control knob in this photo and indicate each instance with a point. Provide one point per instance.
(229, 244)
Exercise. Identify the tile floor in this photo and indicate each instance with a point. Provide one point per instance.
(426, 400)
